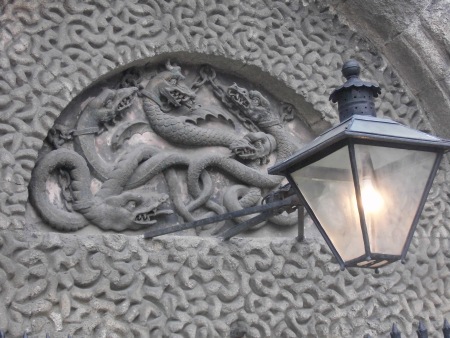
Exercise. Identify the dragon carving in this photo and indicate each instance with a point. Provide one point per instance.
(121, 203)
(167, 89)
(101, 111)
(252, 104)
(111, 208)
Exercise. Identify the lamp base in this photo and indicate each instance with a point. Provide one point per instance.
(374, 261)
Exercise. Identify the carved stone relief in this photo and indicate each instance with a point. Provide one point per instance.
(111, 285)
(151, 147)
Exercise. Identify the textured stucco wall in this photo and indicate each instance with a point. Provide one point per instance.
(104, 286)
(415, 37)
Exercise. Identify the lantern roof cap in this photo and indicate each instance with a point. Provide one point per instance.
(351, 70)
(364, 129)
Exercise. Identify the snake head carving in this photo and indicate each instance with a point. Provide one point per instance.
(252, 105)
(264, 144)
(254, 146)
(169, 89)
(128, 210)
(259, 110)
(110, 104)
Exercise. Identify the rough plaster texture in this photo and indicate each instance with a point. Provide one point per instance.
(120, 286)
(415, 37)
(109, 285)
(179, 147)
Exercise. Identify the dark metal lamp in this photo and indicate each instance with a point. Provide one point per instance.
(365, 181)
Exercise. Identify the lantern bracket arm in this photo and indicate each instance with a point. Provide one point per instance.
(283, 199)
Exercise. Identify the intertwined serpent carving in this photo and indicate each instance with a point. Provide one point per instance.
(251, 133)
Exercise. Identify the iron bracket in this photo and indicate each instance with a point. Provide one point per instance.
(274, 203)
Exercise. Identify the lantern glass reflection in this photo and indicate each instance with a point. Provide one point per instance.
(327, 186)
(389, 185)
(372, 200)
(392, 184)
(365, 181)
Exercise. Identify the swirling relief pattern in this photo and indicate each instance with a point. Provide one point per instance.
(114, 286)
(52, 50)
(119, 286)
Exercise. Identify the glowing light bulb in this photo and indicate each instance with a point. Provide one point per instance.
(371, 198)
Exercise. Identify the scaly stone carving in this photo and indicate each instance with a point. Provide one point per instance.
(103, 109)
(110, 209)
(59, 284)
(54, 50)
(167, 87)
(248, 134)
(256, 108)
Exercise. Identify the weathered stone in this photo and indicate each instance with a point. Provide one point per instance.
(173, 286)
(414, 36)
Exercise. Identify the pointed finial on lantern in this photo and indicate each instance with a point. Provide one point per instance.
(355, 96)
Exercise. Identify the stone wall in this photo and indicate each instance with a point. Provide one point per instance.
(110, 285)
(416, 31)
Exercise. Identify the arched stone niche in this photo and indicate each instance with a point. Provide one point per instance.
(167, 143)
(53, 51)
(115, 285)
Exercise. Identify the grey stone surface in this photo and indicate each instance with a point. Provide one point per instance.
(51, 51)
(121, 286)
(193, 143)
(103, 285)
(414, 37)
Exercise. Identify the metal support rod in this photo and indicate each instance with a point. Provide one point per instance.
(289, 201)
(247, 224)
(301, 223)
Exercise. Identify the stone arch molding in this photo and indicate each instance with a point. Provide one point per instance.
(54, 50)
(159, 144)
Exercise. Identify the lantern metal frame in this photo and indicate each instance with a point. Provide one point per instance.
(344, 135)
(359, 126)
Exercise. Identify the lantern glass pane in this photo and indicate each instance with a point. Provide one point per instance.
(392, 182)
(328, 188)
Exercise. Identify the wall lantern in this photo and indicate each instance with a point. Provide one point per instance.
(365, 181)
